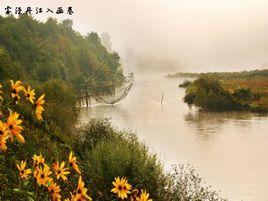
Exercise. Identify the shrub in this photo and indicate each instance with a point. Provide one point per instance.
(185, 84)
(61, 111)
(243, 93)
(129, 159)
(207, 93)
(187, 185)
(107, 153)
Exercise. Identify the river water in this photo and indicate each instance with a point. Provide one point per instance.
(228, 150)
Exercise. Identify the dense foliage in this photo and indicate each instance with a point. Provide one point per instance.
(32, 50)
(209, 93)
(185, 84)
(56, 59)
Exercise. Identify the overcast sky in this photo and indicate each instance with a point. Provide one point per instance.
(212, 34)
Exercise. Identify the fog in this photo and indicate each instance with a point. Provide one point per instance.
(191, 35)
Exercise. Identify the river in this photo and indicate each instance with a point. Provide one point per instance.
(228, 150)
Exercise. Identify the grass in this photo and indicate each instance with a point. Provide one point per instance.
(258, 85)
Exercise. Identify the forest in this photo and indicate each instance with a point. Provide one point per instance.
(36, 51)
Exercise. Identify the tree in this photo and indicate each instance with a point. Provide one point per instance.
(106, 41)
(207, 93)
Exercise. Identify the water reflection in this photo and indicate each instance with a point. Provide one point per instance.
(104, 111)
(213, 121)
(207, 124)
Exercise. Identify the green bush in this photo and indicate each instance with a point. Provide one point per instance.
(243, 93)
(124, 159)
(107, 153)
(187, 185)
(207, 93)
(61, 112)
(185, 84)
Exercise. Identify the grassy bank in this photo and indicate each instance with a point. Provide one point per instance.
(247, 90)
(44, 156)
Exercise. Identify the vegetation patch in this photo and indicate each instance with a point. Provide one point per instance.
(228, 91)
(93, 162)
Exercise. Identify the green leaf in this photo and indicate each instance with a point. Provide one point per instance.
(30, 195)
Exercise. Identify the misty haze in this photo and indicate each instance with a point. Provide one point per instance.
(202, 35)
(123, 96)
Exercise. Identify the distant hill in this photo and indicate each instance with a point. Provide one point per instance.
(224, 75)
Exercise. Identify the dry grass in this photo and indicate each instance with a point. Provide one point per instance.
(256, 85)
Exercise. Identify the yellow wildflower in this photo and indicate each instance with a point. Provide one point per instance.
(29, 94)
(43, 176)
(24, 173)
(39, 107)
(3, 136)
(144, 196)
(3, 140)
(81, 192)
(36, 172)
(79, 197)
(3, 128)
(80, 187)
(73, 162)
(16, 88)
(60, 170)
(54, 190)
(121, 187)
(38, 160)
(13, 126)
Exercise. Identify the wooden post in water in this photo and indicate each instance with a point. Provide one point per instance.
(86, 96)
(162, 99)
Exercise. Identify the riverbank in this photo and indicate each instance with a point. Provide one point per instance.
(247, 90)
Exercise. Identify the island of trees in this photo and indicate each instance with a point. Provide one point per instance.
(241, 91)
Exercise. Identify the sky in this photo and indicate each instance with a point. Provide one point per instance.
(201, 35)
